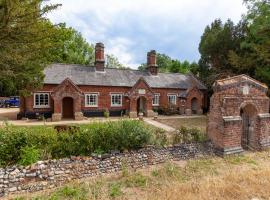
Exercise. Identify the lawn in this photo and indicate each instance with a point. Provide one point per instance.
(209, 178)
(199, 122)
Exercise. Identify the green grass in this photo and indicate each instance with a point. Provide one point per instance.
(196, 122)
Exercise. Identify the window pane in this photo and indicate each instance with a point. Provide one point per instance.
(116, 99)
(41, 99)
(46, 100)
(172, 99)
(36, 99)
(91, 100)
(156, 99)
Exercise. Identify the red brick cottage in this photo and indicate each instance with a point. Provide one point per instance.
(74, 91)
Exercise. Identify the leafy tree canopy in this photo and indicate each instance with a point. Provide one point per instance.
(227, 49)
(29, 42)
(167, 64)
(26, 38)
(71, 47)
(113, 62)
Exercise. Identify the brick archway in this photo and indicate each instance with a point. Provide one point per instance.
(194, 94)
(141, 90)
(67, 89)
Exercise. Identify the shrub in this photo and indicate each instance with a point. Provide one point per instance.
(168, 110)
(21, 142)
(159, 137)
(29, 155)
(188, 135)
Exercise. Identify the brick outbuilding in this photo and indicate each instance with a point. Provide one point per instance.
(239, 116)
(74, 91)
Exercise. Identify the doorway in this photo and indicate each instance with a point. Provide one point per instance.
(248, 114)
(141, 105)
(67, 108)
(194, 105)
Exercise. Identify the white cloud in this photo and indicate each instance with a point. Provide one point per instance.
(130, 28)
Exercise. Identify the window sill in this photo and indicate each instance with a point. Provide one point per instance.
(37, 107)
(92, 106)
(116, 105)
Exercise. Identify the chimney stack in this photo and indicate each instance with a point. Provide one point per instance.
(99, 57)
(152, 62)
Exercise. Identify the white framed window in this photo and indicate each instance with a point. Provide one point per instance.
(41, 100)
(172, 99)
(116, 99)
(155, 101)
(91, 100)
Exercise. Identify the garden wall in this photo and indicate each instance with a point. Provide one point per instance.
(52, 173)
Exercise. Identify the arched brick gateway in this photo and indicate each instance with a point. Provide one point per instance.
(68, 91)
(239, 116)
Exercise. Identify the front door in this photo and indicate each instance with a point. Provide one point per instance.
(246, 131)
(194, 105)
(248, 125)
(67, 110)
(141, 105)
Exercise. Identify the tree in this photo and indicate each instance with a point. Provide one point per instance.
(26, 37)
(71, 47)
(113, 62)
(254, 55)
(216, 43)
(167, 64)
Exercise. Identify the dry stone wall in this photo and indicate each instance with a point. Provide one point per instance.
(52, 173)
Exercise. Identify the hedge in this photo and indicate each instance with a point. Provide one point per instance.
(26, 145)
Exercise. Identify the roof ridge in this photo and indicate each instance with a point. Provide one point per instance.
(242, 75)
(122, 69)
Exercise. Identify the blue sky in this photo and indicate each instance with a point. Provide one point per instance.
(130, 28)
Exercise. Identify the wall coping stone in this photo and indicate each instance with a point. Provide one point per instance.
(232, 118)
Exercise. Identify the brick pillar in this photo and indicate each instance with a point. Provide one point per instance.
(149, 108)
(133, 108)
(264, 130)
(232, 135)
(57, 115)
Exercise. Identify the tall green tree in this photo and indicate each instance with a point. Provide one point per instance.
(26, 37)
(228, 49)
(254, 55)
(70, 47)
(217, 41)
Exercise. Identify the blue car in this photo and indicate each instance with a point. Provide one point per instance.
(13, 101)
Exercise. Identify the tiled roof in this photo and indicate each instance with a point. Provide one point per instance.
(86, 75)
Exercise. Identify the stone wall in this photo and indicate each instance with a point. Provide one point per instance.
(52, 173)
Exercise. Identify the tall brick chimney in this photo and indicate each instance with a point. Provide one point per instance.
(152, 62)
(99, 57)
